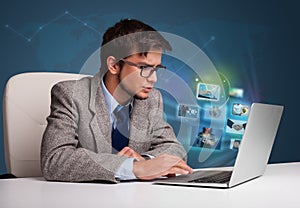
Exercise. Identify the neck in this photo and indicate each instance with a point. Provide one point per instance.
(114, 87)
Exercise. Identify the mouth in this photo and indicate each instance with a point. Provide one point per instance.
(147, 89)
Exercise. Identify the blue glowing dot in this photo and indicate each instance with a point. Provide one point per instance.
(40, 28)
(66, 12)
(85, 24)
(6, 26)
(212, 37)
(29, 40)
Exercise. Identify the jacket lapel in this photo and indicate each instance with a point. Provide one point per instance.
(100, 123)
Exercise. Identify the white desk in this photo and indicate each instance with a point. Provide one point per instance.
(279, 187)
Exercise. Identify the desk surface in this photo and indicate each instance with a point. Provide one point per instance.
(279, 187)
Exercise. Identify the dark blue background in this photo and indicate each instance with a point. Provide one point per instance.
(260, 38)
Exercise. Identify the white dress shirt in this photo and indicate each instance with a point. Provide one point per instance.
(125, 171)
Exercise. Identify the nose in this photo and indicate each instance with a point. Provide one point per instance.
(152, 78)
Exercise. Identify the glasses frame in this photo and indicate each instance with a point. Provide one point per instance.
(141, 67)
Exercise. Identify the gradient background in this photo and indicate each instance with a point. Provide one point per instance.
(256, 44)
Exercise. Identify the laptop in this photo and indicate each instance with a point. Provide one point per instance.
(252, 158)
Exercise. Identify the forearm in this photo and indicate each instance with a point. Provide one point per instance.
(63, 159)
(75, 165)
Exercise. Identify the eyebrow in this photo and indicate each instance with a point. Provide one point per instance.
(145, 64)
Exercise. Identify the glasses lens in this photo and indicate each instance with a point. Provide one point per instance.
(148, 71)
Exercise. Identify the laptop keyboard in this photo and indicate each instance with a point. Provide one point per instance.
(222, 177)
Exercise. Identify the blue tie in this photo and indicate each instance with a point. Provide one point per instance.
(120, 133)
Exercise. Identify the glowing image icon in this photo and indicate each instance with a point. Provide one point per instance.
(208, 92)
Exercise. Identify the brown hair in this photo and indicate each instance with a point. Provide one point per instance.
(130, 36)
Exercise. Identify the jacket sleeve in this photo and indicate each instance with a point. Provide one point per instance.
(163, 137)
(62, 157)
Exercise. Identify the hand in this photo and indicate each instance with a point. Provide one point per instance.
(128, 152)
(237, 127)
(210, 142)
(161, 165)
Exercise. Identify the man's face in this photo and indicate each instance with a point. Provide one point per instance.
(130, 79)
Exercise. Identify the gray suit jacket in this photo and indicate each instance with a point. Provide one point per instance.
(76, 144)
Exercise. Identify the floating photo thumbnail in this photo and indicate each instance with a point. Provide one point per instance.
(235, 144)
(235, 126)
(214, 112)
(240, 110)
(208, 92)
(188, 111)
(236, 92)
(208, 138)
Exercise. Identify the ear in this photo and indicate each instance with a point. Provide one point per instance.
(112, 65)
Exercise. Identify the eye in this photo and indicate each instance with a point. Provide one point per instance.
(145, 67)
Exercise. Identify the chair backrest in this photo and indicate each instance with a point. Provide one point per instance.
(26, 105)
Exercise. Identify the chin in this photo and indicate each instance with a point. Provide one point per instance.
(142, 96)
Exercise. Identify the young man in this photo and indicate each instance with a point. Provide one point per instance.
(87, 140)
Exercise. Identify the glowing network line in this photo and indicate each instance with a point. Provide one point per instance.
(212, 38)
(30, 38)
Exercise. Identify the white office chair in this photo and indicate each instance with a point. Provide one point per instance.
(26, 104)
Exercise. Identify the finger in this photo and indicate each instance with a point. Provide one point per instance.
(124, 151)
(174, 171)
(174, 161)
(182, 165)
(188, 169)
(130, 153)
(133, 154)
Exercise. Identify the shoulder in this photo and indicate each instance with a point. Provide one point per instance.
(155, 94)
(71, 84)
(72, 87)
(79, 92)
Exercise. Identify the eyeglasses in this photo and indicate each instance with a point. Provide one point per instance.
(146, 70)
